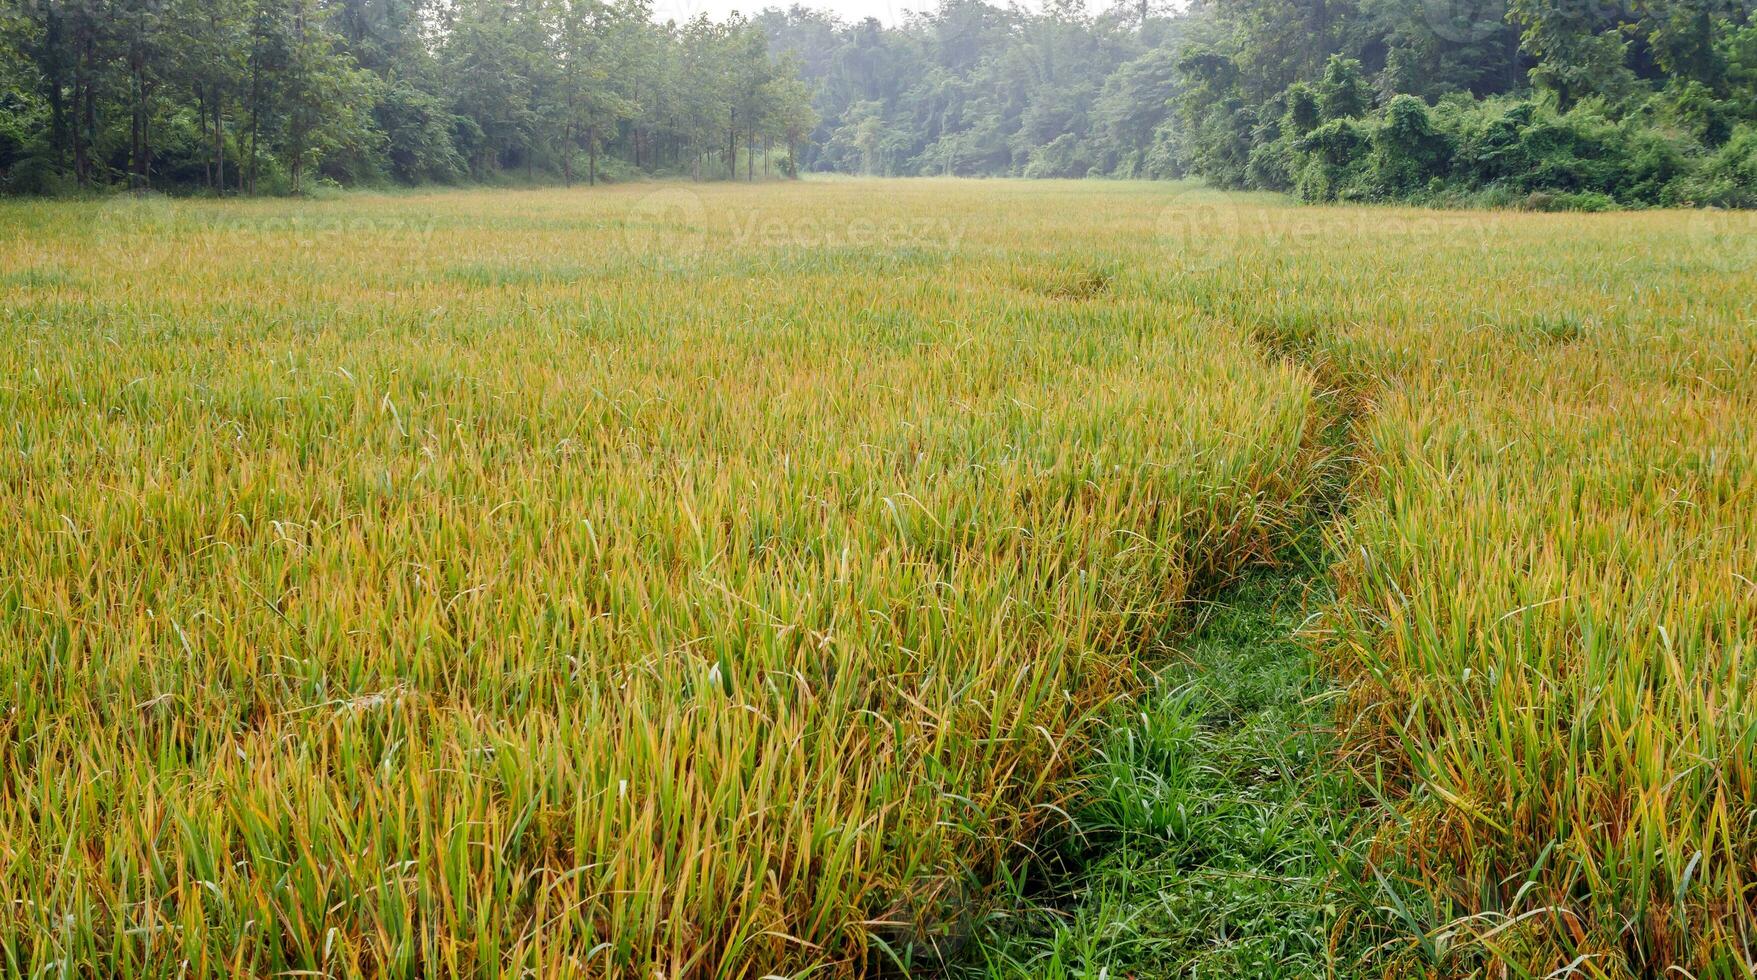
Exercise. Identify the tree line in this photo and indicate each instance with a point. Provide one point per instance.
(1584, 104)
(1555, 103)
(271, 96)
(1552, 103)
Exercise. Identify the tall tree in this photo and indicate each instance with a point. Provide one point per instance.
(588, 101)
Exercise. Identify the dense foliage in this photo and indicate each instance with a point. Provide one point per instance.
(1548, 103)
(1355, 134)
(1542, 102)
(975, 89)
(268, 94)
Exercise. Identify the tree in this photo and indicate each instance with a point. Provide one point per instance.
(209, 45)
(325, 97)
(586, 101)
(271, 95)
(1134, 103)
(791, 117)
(23, 119)
(487, 58)
(1578, 49)
(1343, 92)
(703, 93)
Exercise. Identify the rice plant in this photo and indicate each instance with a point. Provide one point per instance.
(566, 583)
(727, 581)
(1546, 612)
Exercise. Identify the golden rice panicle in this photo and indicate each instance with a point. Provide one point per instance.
(564, 582)
(1546, 606)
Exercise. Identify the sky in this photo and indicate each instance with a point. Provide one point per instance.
(889, 12)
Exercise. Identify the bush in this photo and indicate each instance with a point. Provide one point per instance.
(1654, 160)
(1488, 146)
(1333, 161)
(1573, 152)
(1271, 162)
(1064, 156)
(1694, 106)
(1728, 179)
(1162, 161)
(1531, 150)
(1565, 201)
(1272, 165)
(1343, 93)
(1323, 142)
(1303, 113)
(1408, 151)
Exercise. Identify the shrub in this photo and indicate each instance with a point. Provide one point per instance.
(1303, 113)
(1571, 152)
(1407, 150)
(1343, 94)
(1728, 179)
(1333, 164)
(1488, 148)
(1653, 160)
(1694, 106)
(1322, 142)
(1271, 165)
(1064, 156)
(1567, 201)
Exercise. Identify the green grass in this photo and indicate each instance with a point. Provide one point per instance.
(1213, 811)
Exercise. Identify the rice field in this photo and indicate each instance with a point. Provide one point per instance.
(1549, 589)
(718, 581)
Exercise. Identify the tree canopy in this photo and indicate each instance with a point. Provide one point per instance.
(274, 95)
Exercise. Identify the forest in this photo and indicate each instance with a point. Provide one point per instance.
(1578, 104)
(1556, 103)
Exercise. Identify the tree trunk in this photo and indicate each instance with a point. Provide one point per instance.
(58, 131)
(85, 115)
(201, 117)
(134, 137)
(567, 157)
(750, 152)
(219, 146)
(138, 165)
(592, 155)
(57, 122)
(88, 125)
(732, 149)
(255, 100)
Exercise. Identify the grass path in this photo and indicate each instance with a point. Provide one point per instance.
(1206, 843)
(1217, 820)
